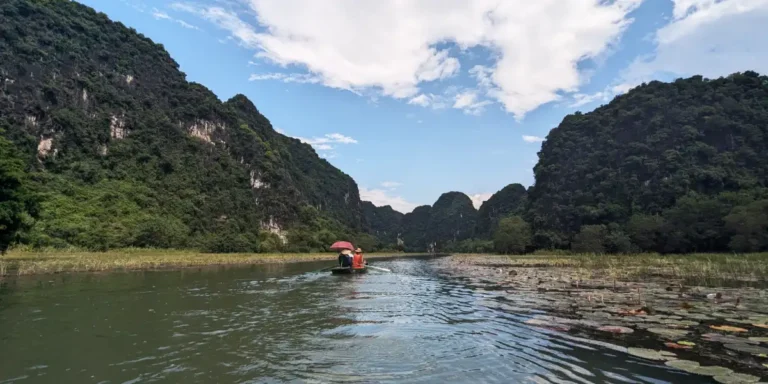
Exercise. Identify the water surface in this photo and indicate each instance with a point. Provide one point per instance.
(284, 323)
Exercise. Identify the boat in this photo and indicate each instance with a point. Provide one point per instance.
(348, 270)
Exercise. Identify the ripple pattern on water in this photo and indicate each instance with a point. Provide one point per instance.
(243, 326)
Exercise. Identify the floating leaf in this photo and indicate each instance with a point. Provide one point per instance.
(650, 354)
(727, 328)
(712, 371)
(746, 348)
(615, 329)
(759, 339)
(676, 346)
(760, 325)
(688, 343)
(668, 333)
(736, 378)
(685, 365)
(634, 312)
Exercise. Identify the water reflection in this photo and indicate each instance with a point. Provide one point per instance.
(283, 324)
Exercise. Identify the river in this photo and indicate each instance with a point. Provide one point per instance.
(286, 323)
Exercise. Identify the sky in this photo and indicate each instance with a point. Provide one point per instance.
(415, 98)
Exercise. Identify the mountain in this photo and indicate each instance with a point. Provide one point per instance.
(415, 225)
(509, 201)
(451, 219)
(664, 166)
(384, 222)
(126, 152)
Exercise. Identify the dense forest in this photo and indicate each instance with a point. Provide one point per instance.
(104, 144)
(122, 151)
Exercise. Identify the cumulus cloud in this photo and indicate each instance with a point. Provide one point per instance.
(479, 198)
(532, 139)
(325, 144)
(380, 198)
(468, 102)
(707, 37)
(394, 47)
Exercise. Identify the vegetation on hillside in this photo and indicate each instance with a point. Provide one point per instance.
(126, 153)
(17, 203)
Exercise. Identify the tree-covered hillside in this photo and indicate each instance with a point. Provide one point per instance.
(384, 223)
(510, 200)
(669, 167)
(126, 152)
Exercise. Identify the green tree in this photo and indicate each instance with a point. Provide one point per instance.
(645, 231)
(590, 239)
(513, 235)
(748, 225)
(16, 200)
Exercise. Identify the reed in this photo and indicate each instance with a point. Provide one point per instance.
(29, 262)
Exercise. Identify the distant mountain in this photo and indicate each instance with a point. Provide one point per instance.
(415, 228)
(127, 152)
(452, 219)
(384, 222)
(510, 200)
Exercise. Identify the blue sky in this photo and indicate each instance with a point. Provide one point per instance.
(414, 99)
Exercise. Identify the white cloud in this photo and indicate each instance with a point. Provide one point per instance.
(381, 198)
(469, 103)
(428, 100)
(160, 15)
(394, 47)
(326, 142)
(580, 99)
(532, 139)
(301, 78)
(391, 184)
(479, 198)
(708, 37)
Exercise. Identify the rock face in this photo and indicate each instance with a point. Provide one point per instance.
(95, 104)
(383, 222)
(510, 200)
(415, 228)
(452, 219)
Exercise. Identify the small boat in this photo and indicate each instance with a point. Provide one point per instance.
(348, 270)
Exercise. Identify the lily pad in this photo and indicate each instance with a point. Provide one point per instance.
(668, 333)
(760, 325)
(688, 343)
(736, 378)
(759, 339)
(727, 328)
(746, 348)
(650, 354)
(615, 329)
(712, 370)
(685, 365)
(738, 321)
(677, 346)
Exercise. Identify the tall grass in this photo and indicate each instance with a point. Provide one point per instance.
(26, 262)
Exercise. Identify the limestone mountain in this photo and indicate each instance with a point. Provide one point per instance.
(127, 152)
(384, 222)
(510, 200)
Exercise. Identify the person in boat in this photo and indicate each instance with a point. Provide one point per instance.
(345, 259)
(358, 262)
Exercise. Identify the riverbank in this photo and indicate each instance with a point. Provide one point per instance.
(34, 263)
(706, 314)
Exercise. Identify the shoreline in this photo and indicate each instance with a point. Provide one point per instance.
(29, 263)
(682, 311)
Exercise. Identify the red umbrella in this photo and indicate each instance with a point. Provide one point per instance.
(342, 245)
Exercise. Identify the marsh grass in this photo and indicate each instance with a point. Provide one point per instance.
(26, 262)
(690, 269)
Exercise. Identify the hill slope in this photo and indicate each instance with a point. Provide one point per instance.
(128, 153)
(672, 158)
(510, 200)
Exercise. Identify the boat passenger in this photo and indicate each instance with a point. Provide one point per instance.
(345, 260)
(358, 262)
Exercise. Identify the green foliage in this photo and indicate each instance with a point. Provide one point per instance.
(513, 235)
(509, 201)
(451, 219)
(16, 200)
(590, 239)
(139, 156)
(684, 153)
(748, 225)
(383, 222)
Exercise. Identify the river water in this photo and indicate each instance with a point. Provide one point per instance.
(285, 323)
